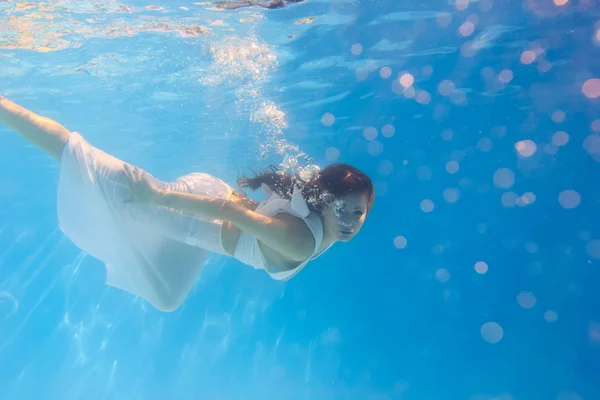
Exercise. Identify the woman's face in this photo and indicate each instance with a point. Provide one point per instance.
(344, 217)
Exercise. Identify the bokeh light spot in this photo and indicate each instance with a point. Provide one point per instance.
(484, 144)
(466, 28)
(332, 154)
(593, 248)
(447, 134)
(400, 242)
(452, 167)
(451, 195)
(385, 167)
(446, 87)
(569, 199)
(550, 316)
(328, 119)
(375, 148)
(505, 76)
(385, 72)
(591, 88)
(558, 116)
(492, 332)
(481, 267)
(504, 178)
(527, 57)
(526, 299)
(560, 138)
(427, 205)
(388, 131)
(356, 49)
(461, 4)
(509, 199)
(370, 133)
(406, 80)
(525, 148)
(442, 275)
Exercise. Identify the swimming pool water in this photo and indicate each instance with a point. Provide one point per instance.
(475, 276)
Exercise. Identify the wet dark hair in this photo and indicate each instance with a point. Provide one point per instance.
(336, 180)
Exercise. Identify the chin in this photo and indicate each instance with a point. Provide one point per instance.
(343, 238)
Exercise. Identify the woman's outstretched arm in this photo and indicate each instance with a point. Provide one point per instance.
(286, 234)
(43, 132)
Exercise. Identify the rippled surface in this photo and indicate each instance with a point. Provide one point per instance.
(475, 277)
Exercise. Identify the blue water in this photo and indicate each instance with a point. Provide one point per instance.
(475, 277)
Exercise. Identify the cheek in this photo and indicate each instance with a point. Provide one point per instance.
(361, 221)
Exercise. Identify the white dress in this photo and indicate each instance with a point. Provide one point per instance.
(148, 251)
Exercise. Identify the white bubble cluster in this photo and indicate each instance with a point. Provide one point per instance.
(309, 172)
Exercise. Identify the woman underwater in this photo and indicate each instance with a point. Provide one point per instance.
(154, 236)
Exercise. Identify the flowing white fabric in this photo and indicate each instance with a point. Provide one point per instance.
(155, 253)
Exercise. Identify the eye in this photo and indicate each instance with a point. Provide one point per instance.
(359, 213)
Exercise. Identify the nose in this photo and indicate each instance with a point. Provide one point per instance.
(346, 222)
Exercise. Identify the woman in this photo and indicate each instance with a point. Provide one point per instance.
(154, 236)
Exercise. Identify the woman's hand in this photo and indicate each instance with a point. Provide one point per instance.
(141, 185)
